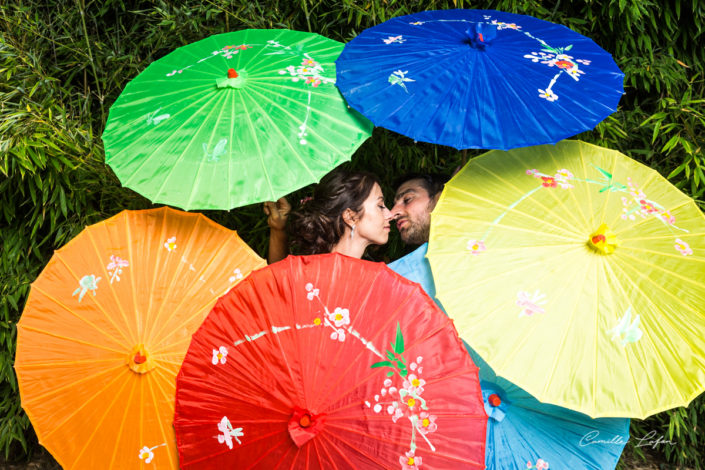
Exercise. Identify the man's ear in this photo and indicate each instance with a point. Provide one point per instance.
(350, 217)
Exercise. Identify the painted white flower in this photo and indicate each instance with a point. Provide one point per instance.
(340, 317)
(311, 291)
(398, 413)
(219, 355)
(575, 73)
(146, 454)
(228, 432)
(548, 94)
(338, 334)
(237, 274)
(416, 365)
(170, 244)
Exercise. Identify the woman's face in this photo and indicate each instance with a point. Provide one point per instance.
(374, 223)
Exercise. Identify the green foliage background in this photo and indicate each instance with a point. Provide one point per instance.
(63, 62)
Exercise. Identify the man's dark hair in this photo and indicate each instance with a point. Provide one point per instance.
(432, 183)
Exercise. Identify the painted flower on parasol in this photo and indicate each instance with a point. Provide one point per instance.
(96, 369)
(589, 254)
(332, 362)
(479, 79)
(233, 119)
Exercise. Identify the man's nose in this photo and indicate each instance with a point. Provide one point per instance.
(396, 211)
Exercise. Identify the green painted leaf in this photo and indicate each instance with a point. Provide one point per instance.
(604, 172)
(382, 364)
(399, 346)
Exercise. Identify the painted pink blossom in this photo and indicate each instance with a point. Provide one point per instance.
(313, 81)
(396, 413)
(414, 384)
(427, 422)
(541, 464)
(410, 461)
(683, 247)
(476, 246)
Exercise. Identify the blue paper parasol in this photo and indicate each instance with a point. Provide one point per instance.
(520, 429)
(479, 79)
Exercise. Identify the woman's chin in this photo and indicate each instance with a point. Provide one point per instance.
(382, 239)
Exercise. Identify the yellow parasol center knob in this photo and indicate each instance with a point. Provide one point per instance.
(139, 360)
(603, 240)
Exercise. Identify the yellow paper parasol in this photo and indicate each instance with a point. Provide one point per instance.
(578, 274)
(105, 330)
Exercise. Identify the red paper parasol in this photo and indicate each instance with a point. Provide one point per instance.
(328, 362)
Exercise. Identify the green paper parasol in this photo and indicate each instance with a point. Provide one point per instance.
(233, 119)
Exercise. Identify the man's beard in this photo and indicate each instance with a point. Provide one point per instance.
(416, 234)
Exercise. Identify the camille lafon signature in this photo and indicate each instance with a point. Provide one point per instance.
(649, 440)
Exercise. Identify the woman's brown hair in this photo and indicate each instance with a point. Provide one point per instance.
(318, 224)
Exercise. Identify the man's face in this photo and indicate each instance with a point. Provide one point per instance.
(412, 212)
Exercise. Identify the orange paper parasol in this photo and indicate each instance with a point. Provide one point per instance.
(106, 327)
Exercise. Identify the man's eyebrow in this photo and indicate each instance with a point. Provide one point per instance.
(404, 193)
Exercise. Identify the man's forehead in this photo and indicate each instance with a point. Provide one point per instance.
(411, 186)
